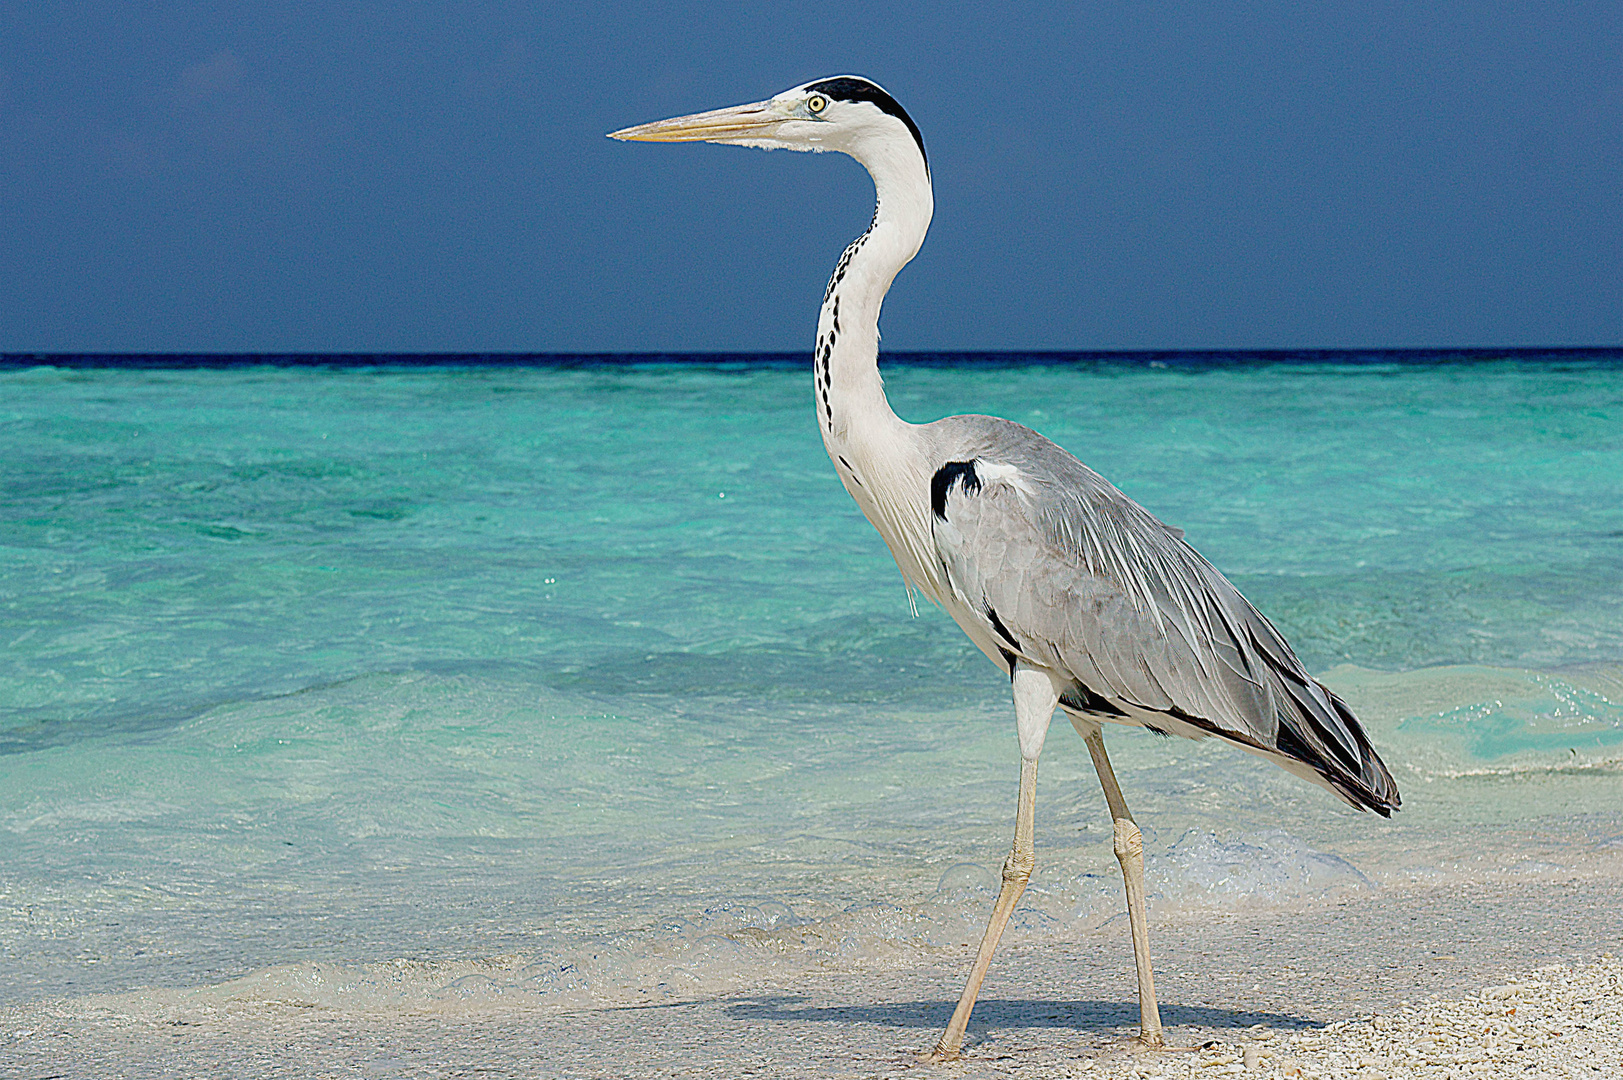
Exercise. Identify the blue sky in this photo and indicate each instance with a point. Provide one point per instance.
(421, 177)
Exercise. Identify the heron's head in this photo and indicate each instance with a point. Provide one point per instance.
(846, 113)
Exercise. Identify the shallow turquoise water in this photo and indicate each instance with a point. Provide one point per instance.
(349, 664)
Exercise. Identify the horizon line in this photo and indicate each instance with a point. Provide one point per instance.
(152, 360)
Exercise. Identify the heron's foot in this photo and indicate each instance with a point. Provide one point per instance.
(938, 1056)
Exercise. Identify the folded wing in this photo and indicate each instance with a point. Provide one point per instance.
(1073, 576)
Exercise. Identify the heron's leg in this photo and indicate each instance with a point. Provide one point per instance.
(1034, 701)
(1130, 853)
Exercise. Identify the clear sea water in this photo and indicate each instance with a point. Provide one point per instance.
(587, 682)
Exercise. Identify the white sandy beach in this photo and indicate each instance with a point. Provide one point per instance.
(1505, 979)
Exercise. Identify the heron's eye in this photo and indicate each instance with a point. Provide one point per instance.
(817, 103)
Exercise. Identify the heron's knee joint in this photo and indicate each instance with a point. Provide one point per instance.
(1018, 867)
(1129, 840)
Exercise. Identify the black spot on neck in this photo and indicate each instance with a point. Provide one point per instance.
(852, 88)
(945, 477)
(850, 470)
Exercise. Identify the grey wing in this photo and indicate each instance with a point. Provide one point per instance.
(1073, 576)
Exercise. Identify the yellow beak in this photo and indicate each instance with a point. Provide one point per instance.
(717, 125)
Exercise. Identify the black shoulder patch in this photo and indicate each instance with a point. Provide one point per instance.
(945, 477)
(852, 88)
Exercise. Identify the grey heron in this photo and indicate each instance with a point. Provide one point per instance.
(1082, 597)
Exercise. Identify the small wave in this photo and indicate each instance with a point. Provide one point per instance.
(1583, 768)
(1493, 722)
(1257, 870)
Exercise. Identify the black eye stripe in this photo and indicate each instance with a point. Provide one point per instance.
(850, 88)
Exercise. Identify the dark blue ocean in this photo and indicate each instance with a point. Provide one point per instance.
(591, 665)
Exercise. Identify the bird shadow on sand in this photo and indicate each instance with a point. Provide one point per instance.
(1100, 1016)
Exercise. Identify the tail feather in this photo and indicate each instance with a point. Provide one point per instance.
(1324, 734)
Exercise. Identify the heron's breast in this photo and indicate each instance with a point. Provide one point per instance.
(892, 491)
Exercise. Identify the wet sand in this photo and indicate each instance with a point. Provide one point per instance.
(1298, 986)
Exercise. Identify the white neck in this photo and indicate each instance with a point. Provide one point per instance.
(850, 393)
(877, 455)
